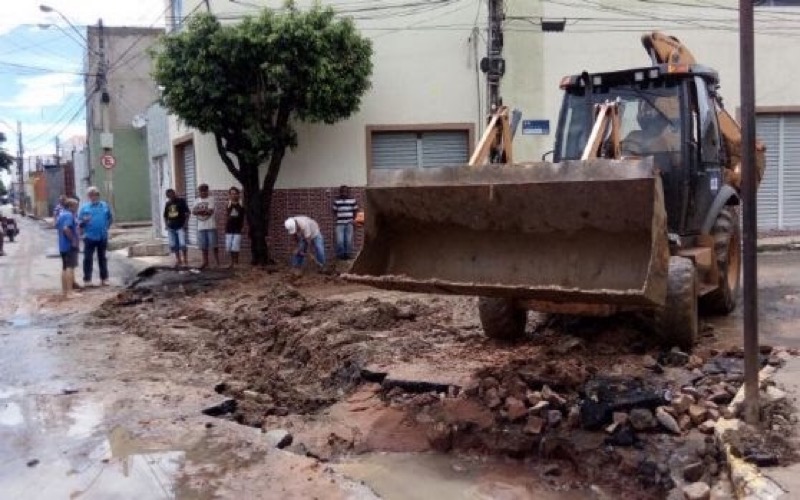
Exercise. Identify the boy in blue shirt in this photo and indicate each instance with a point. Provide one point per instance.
(95, 219)
(67, 227)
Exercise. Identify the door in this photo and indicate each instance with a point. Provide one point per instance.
(185, 182)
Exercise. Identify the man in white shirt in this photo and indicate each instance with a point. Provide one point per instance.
(203, 209)
(307, 234)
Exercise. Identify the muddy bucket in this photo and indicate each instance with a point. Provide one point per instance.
(581, 232)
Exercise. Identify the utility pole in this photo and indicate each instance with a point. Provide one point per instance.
(752, 412)
(493, 64)
(20, 163)
(105, 99)
(58, 149)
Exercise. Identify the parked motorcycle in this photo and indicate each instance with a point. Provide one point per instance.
(10, 228)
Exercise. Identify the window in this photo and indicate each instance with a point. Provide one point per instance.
(419, 149)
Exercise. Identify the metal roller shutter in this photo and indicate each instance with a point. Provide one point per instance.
(444, 149)
(790, 189)
(190, 188)
(419, 149)
(768, 130)
(394, 150)
(779, 193)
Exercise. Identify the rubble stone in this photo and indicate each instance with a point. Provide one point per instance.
(681, 403)
(642, 419)
(649, 362)
(515, 409)
(574, 417)
(706, 427)
(697, 491)
(693, 472)
(692, 391)
(534, 425)
(533, 397)
(698, 414)
(714, 414)
(667, 420)
(720, 396)
(553, 397)
(694, 362)
(490, 383)
(554, 418)
(279, 438)
(685, 422)
(620, 417)
(539, 407)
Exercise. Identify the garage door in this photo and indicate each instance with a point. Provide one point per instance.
(779, 193)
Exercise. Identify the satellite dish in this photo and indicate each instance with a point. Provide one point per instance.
(139, 122)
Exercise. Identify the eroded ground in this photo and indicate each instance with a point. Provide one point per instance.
(582, 405)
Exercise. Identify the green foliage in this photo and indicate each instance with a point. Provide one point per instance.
(3, 189)
(6, 160)
(246, 83)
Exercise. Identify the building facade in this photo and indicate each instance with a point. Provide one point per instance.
(604, 35)
(424, 108)
(118, 86)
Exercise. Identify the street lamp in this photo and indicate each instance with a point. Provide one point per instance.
(47, 9)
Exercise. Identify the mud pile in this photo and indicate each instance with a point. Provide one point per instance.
(281, 351)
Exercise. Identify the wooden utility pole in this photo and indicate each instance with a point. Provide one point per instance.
(752, 411)
(494, 65)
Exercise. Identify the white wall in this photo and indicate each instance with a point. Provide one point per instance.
(604, 35)
(424, 72)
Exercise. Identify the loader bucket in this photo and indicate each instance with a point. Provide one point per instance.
(583, 233)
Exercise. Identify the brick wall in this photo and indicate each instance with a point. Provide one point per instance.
(313, 202)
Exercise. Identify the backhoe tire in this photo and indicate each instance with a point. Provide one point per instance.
(727, 236)
(677, 322)
(501, 319)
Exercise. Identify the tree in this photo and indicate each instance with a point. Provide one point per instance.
(6, 160)
(249, 83)
(3, 190)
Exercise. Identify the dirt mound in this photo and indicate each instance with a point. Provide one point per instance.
(282, 351)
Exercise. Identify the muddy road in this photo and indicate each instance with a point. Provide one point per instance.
(187, 385)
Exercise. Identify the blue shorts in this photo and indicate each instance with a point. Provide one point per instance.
(207, 238)
(177, 239)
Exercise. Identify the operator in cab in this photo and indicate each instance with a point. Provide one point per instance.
(659, 122)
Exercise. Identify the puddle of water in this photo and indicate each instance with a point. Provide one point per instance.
(19, 321)
(10, 414)
(74, 456)
(422, 477)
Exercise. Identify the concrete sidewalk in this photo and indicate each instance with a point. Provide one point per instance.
(778, 243)
(788, 379)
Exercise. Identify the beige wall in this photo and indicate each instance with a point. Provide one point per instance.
(424, 72)
(606, 37)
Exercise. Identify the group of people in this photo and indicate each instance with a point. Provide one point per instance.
(304, 229)
(90, 223)
(176, 218)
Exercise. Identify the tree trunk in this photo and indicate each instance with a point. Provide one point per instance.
(257, 215)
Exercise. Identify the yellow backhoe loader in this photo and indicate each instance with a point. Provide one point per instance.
(637, 212)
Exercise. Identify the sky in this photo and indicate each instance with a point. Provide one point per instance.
(41, 64)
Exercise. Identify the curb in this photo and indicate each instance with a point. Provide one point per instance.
(790, 246)
(748, 481)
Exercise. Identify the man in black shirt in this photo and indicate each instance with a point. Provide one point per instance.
(176, 218)
(234, 225)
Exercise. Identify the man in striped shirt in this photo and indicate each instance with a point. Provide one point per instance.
(344, 209)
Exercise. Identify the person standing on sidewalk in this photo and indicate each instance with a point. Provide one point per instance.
(203, 209)
(176, 218)
(344, 209)
(308, 236)
(95, 219)
(234, 225)
(67, 227)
